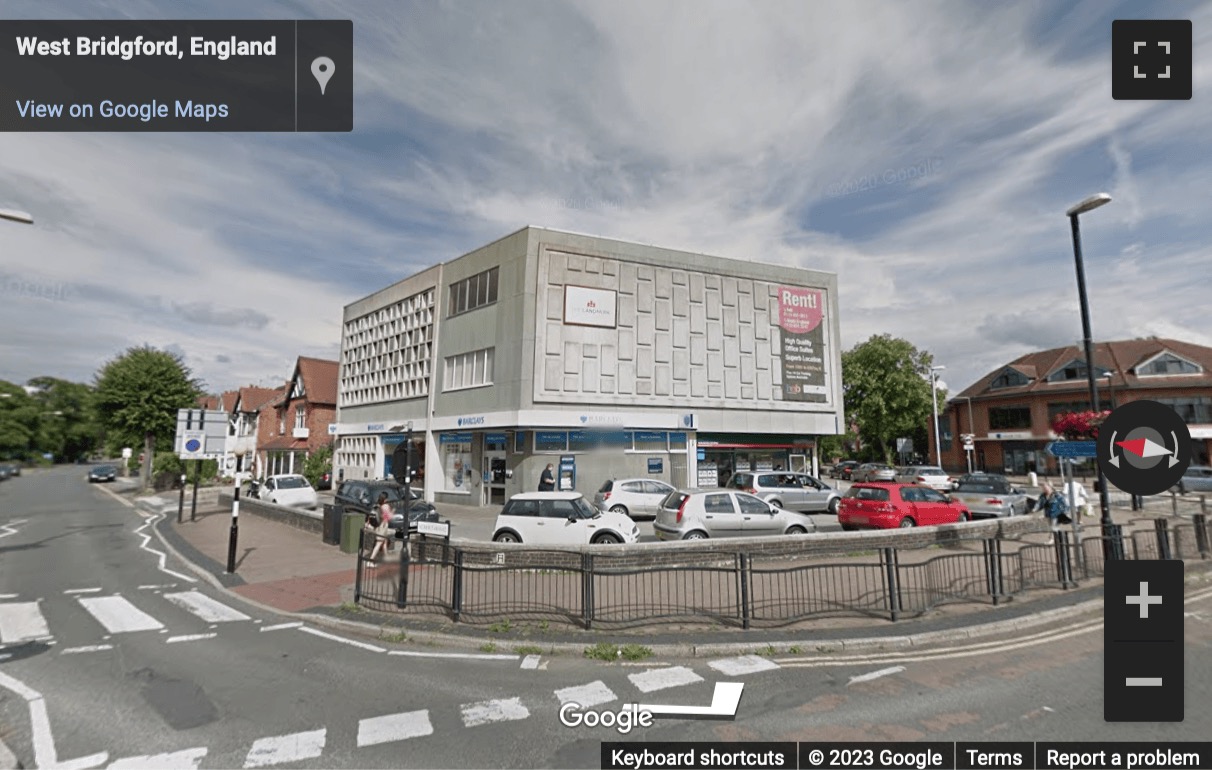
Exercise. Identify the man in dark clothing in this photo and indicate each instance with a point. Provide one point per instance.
(547, 480)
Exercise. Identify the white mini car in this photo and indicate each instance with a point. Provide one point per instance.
(560, 518)
(290, 490)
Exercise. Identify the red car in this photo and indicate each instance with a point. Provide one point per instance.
(887, 506)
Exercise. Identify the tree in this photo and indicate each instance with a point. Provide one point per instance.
(317, 464)
(68, 427)
(138, 395)
(18, 421)
(886, 391)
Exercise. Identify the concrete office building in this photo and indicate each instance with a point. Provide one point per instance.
(604, 358)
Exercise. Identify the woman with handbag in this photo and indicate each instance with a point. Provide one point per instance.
(382, 530)
(1054, 507)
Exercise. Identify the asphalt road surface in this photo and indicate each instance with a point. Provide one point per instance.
(112, 655)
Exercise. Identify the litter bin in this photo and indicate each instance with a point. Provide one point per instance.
(351, 525)
(332, 524)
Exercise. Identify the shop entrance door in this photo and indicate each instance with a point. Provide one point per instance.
(494, 478)
(799, 464)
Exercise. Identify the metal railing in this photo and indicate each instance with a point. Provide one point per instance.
(605, 586)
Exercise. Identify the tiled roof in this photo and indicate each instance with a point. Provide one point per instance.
(209, 403)
(1120, 357)
(319, 379)
(253, 399)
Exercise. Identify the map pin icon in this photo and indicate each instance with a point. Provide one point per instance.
(322, 68)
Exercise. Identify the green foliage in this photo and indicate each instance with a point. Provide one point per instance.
(501, 627)
(886, 387)
(169, 462)
(607, 651)
(528, 649)
(19, 421)
(317, 464)
(488, 647)
(138, 394)
(56, 417)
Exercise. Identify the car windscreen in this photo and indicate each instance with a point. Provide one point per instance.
(673, 500)
(585, 509)
(103, 469)
(292, 482)
(928, 471)
(606, 487)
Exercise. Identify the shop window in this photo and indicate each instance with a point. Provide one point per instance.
(583, 441)
(651, 441)
(550, 441)
(677, 441)
(1193, 409)
(1009, 417)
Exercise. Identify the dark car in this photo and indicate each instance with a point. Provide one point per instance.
(325, 481)
(11, 469)
(362, 497)
(102, 473)
(4, 472)
(843, 469)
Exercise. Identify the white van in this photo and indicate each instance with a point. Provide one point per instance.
(560, 518)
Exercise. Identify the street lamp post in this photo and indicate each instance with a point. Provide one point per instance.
(938, 446)
(1111, 387)
(971, 429)
(1111, 545)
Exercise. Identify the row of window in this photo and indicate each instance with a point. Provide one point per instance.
(471, 293)
(469, 370)
(1165, 365)
(1193, 409)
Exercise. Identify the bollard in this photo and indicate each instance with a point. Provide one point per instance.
(993, 569)
(742, 576)
(405, 561)
(1161, 527)
(181, 500)
(358, 570)
(456, 590)
(1064, 565)
(1201, 534)
(587, 589)
(889, 560)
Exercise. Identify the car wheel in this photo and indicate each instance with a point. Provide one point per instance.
(619, 509)
(506, 537)
(834, 504)
(849, 527)
(695, 535)
(606, 538)
(907, 523)
(796, 530)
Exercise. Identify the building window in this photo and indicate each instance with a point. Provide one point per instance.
(1167, 364)
(1193, 409)
(474, 292)
(469, 370)
(1010, 378)
(1009, 417)
(1074, 370)
(282, 424)
(945, 433)
(299, 423)
(550, 441)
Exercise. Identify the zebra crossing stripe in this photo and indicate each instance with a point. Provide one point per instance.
(21, 621)
(205, 607)
(663, 678)
(489, 711)
(586, 695)
(71, 591)
(177, 760)
(286, 748)
(189, 638)
(745, 664)
(88, 648)
(531, 662)
(394, 727)
(118, 615)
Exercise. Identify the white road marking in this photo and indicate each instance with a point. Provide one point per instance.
(663, 678)
(875, 675)
(5, 656)
(88, 648)
(486, 712)
(394, 727)
(189, 638)
(41, 737)
(287, 748)
(343, 640)
(462, 655)
(21, 621)
(586, 695)
(281, 626)
(205, 607)
(177, 760)
(531, 662)
(745, 664)
(157, 587)
(163, 557)
(8, 530)
(119, 616)
(8, 596)
(82, 591)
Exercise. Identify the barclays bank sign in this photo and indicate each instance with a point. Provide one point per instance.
(468, 422)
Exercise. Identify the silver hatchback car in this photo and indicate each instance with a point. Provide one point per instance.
(632, 497)
(793, 491)
(698, 514)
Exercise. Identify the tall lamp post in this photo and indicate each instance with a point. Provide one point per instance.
(1111, 387)
(938, 446)
(1111, 545)
(971, 429)
(16, 216)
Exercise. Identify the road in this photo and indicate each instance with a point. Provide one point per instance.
(112, 655)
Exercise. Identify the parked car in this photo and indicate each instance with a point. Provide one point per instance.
(1197, 478)
(887, 506)
(873, 472)
(102, 473)
(14, 469)
(363, 497)
(698, 514)
(4, 472)
(992, 496)
(632, 497)
(324, 483)
(843, 469)
(560, 518)
(982, 477)
(927, 475)
(289, 489)
(793, 491)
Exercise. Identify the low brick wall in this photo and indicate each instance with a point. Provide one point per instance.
(310, 521)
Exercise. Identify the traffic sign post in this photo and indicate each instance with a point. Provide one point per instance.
(1073, 450)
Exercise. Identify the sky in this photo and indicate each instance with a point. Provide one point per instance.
(925, 152)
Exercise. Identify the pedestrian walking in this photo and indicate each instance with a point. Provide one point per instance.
(381, 531)
(1054, 506)
(547, 480)
(1081, 498)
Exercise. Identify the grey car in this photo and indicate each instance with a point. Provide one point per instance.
(698, 514)
(793, 491)
(992, 497)
(874, 472)
(632, 497)
(1197, 478)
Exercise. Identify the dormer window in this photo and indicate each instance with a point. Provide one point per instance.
(299, 423)
(1074, 370)
(1009, 378)
(1167, 365)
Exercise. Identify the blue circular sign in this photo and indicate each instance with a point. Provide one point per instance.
(193, 445)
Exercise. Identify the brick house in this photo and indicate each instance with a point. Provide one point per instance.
(1010, 410)
(248, 425)
(300, 417)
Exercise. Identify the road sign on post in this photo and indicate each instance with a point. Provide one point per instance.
(1072, 449)
(201, 434)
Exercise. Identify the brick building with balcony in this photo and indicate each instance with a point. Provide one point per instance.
(1009, 411)
(251, 423)
(298, 422)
